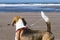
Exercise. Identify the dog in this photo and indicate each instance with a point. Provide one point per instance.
(24, 33)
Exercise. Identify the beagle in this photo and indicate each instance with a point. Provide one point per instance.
(24, 33)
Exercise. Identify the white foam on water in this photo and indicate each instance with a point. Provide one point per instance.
(1, 5)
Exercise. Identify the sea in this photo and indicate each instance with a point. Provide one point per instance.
(29, 7)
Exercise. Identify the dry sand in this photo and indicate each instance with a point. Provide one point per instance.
(8, 32)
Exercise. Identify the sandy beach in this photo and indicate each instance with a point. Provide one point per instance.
(8, 32)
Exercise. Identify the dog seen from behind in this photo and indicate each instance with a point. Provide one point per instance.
(23, 32)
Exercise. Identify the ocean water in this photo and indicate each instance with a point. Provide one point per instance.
(29, 8)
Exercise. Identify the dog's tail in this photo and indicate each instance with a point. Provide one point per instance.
(47, 21)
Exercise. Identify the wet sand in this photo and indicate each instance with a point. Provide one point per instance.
(8, 32)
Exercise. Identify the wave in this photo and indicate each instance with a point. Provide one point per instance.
(29, 7)
(3, 5)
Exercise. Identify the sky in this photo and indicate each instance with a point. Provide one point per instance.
(16, 1)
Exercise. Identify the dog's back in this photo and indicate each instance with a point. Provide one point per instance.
(32, 35)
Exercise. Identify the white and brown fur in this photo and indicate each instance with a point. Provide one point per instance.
(29, 34)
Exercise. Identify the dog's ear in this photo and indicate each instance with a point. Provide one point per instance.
(24, 21)
(13, 21)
